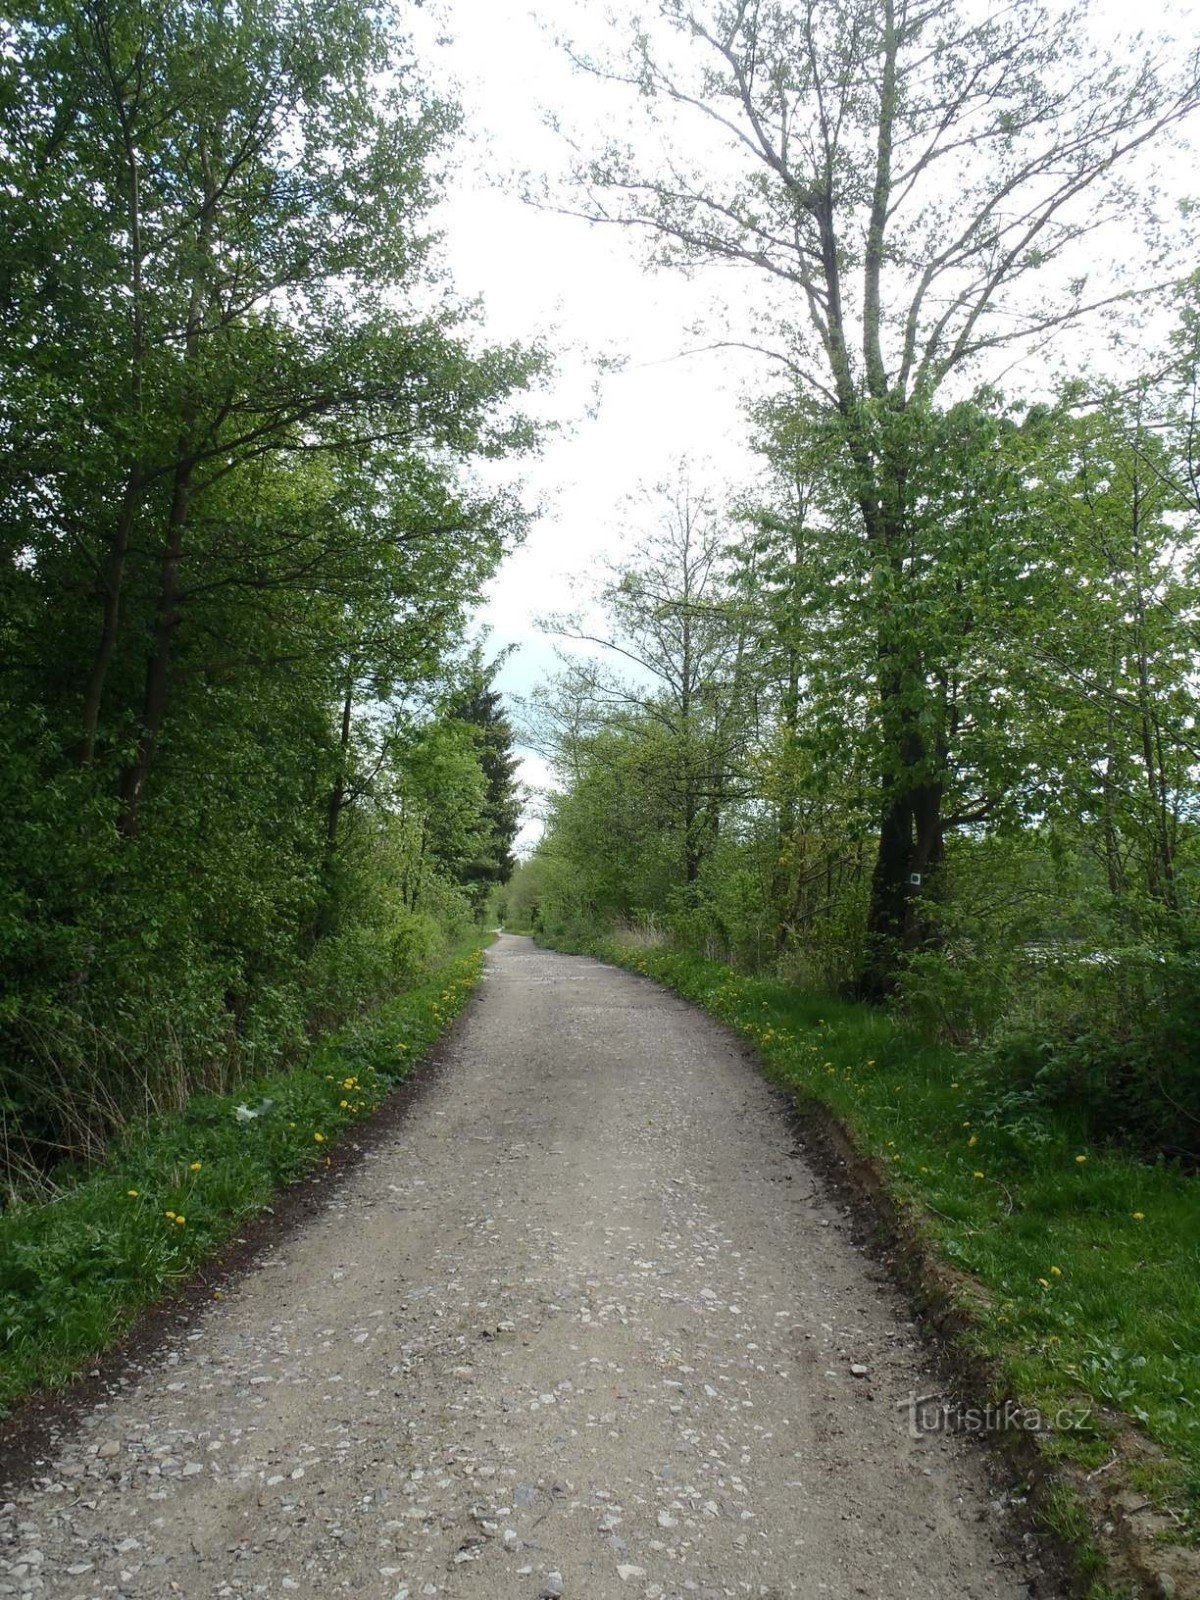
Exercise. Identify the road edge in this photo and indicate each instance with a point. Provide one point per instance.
(31, 1433)
(1114, 1557)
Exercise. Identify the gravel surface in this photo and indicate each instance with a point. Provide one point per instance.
(587, 1325)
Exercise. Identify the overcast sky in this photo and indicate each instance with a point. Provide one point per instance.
(582, 288)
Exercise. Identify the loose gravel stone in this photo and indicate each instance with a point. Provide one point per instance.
(566, 1332)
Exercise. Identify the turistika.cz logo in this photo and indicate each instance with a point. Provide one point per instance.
(931, 1413)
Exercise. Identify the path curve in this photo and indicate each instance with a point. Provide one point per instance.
(585, 1325)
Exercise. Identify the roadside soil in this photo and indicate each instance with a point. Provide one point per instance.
(585, 1323)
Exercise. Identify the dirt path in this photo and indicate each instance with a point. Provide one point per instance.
(587, 1325)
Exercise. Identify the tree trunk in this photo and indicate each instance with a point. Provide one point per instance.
(911, 830)
(785, 874)
(1161, 859)
(114, 575)
(113, 579)
(1112, 849)
(158, 668)
(910, 854)
(691, 842)
(326, 914)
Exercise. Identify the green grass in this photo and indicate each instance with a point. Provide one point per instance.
(1087, 1261)
(75, 1271)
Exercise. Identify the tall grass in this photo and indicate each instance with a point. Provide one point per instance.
(78, 1265)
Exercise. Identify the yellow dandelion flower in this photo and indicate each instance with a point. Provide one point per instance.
(1139, 1216)
(195, 1166)
(343, 1105)
(1045, 1282)
(972, 1141)
(319, 1138)
(170, 1216)
(179, 1221)
(1079, 1160)
(977, 1174)
(1056, 1272)
(132, 1193)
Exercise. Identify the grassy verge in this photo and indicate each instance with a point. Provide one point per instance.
(74, 1272)
(1081, 1266)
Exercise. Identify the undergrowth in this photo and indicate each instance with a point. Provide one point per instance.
(75, 1271)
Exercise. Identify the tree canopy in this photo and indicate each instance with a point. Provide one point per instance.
(942, 738)
(242, 430)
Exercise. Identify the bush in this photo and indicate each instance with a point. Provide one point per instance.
(353, 970)
(956, 994)
(1116, 1039)
(172, 1188)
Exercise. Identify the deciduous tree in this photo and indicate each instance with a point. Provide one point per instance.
(927, 184)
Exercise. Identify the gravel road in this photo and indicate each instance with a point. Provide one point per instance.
(586, 1324)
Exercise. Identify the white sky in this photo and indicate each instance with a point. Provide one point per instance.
(581, 287)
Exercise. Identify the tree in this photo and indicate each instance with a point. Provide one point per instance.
(248, 202)
(241, 534)
(1108, 681)
(670, 621)
(921, 182)
(963, 594)
(414, 554)
(479, 705)
(798, 580)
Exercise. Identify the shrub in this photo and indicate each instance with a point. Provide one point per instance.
(1116, 1038)
(958, 993)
